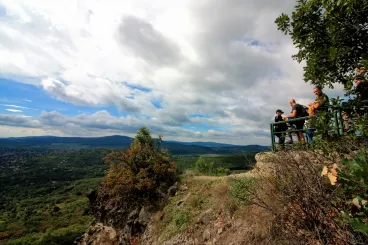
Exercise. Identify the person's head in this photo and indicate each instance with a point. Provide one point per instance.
(292, 102)
(279, 112)
(357, 79)
(317, 90)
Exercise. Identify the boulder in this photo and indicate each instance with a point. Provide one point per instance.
(206, 235)
(144, 217)
(172, 190)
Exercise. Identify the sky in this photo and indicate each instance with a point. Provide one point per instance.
(188, 70)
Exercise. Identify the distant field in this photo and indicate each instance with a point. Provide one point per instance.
(43, 194)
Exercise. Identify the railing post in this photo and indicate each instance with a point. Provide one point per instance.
(336, 123)
(272, 137)
(341, 122)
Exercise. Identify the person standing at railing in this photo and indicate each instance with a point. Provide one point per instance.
(319, 106)
(296, 112)
(280, 129)
(320, 103)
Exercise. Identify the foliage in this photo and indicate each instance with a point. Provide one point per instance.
(181, 219)
(306, 206)
(230, 161)
(46, 190)
(206, 167)
(332, 38)
(353, 178)
(137, 176)
(237, 187)
(63, 236)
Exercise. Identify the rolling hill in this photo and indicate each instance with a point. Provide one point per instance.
(118, 141)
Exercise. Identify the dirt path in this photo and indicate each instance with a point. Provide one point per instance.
(204, 177)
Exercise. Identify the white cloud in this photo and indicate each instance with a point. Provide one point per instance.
(223, 59)
(14, 106)
(103, 123)
(13, 110)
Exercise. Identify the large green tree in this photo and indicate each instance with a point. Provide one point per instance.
(331, 36)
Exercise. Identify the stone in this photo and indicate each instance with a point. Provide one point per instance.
(220, 231)
(133, 215)
(184, 187)
(172, 190)
(206, 217)
(206, 235)
(144, 217)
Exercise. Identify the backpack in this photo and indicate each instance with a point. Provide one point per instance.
(303, 111)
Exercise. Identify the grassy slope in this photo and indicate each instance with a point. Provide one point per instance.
(206, 205)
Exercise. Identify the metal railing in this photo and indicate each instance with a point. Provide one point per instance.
(336, 122)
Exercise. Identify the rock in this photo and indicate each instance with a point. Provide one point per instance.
(127, 229)
(206, 217)
(172, 190)
(180, 239)
(144, 217)
(180, 203)
(220, 231)
(184, 187)
(133, 215)
(100, 235)
(206, 235)
(264, 156)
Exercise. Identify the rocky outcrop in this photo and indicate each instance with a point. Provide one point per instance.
(102, 234)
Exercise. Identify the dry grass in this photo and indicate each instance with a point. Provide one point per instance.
(298, 200)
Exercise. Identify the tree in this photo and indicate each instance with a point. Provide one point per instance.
(332, 38)
(203, 166)
(138, 176)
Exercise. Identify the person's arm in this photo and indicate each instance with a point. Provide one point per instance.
(322, 102)
(293, 114)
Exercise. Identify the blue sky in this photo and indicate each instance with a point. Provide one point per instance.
(111, 67)
(14, 95)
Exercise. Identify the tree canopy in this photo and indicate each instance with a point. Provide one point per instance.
(332, 38)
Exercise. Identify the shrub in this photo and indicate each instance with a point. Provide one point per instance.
(353, 178)
(181, 219)
(137, 177)
(307, 206)
(237, 187)
(203, 166)
(206, 167)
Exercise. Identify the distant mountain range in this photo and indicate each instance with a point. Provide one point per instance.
(117, 141)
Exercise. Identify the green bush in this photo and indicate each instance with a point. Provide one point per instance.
(238, 187)
(206, 167)
(203, 166)
(353, 178)
(181, 219)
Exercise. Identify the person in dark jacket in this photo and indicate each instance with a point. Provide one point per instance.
(280, 128)
(297, 111)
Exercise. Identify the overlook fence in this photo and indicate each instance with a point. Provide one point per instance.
(336, 123)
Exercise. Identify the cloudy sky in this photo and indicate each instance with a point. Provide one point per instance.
(190, 70)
